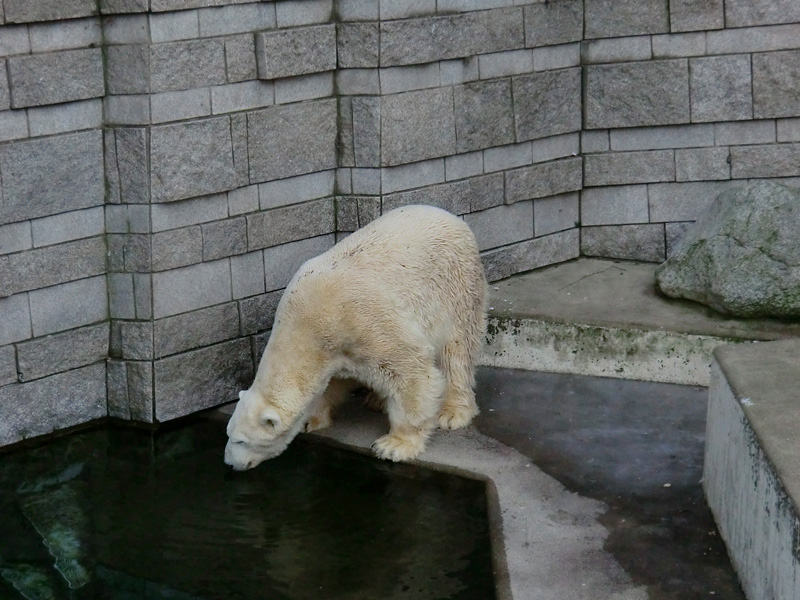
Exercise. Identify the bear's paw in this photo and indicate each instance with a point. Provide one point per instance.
(456, 417)
(399, 448)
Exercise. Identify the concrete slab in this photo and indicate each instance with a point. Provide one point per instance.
(752, 463)
(606, 318)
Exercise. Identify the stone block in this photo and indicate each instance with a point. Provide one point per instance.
(51, 265)
(74, 167)
(40, 407)
(284, 141)
(121, 303)
(545, 179)
(258, 313)
(614, 205)
(721, 88)
(14, 39)
(744, 13)
(241, 161)
(240, 58)
(460, 70)
(403, 9)
(428, 39)
(531, 254)
(291, 223)
(176, 248)
(139, 377)
(417, 126)
(143, 295)
(68, 226)
(26, 11)
(8, 365)
(778, 160)
(776, 84)
(679, 45)
(394, 80)
(616, 18)
(194, 329)
(484, 115)
(15, 237)
(625, 242)
(304, 87)
(358, 10)
(502, 225)
(547, 103)
(189, 212)
(295, 190)
(619, 168)
(486, 192)
(16, 322)
(553, 23)
(226, 20)
(674, 233)
(5, 96)
(551, 148)
(247, 274)
(185, 65)
(176, 106)
(281, 262)
(303, 12)
(55, 77)
(357, 45)
(133, 156)
(696, 15)
(595, 141)
(117, 390)
(453, 197)
(702, 164)
(406, 177)
(224, 238)
(200, 379)
(657, 138)
(548, 58)
(366, 132)
(368, 181)
(245, 95)
(62, 352)
(503, 64)
(357, 82)
(13, 125)
(191, 159)
(744, 132)
(346, 213)
(189, 288)
(637, 94)
(506, 157)
(68, 305)
(174, 26)
(753, 39)
(460, 166)
(788, 130)
(64, 118)
(126, 29)
(556, 213)
(127, 110)
(128, 69)
(169, 5)
(292, 52)
(620, 49)
(683, 201)
(243, 200)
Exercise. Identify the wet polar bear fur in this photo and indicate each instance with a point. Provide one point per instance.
(398, 306)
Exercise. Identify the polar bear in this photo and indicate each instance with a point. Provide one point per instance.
(398, 306)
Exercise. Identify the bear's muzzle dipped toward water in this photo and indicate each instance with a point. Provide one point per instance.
(399, 307)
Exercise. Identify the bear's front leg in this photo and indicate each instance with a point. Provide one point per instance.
(412, 411)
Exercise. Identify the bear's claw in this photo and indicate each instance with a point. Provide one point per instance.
(398, 449)
(456, 417)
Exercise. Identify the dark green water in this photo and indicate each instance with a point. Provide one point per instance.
(121, 513)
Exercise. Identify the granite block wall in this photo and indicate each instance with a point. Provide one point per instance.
(166, 165)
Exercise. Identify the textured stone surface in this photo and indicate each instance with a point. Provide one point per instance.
(546, 179)
(428, 39)
(776, 84)
(224, 238)
(626, 242)
(281, 262)
(190, 288)
(191, 159)
(357, 45)
(366, 131)
(484, 115)
(458, 197)
(292, 52)
(132, 160)
(176, 248)
(284, 141)
(553, 23)
(282, 225)
(741, 257)
(502, 225)
(417, 126)
(556, 213)
(29, 11)
(50, 78)
(532, 254)
(200, 379)
(721, 88)
(51, 265)
(774, 160)
(637, 94)
(258, 313)
(617, 205)
(614, 18)
(547, 103)
(702, 164)
(62, 352)
(741, 13)
(696, 15)
(74, 167)
(68, 305)
(185, 65)
(195, 329)
(56, 402)
(618, 168)
(16, 322)
(8, 365)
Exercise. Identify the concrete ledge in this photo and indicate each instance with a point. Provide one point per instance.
(752, 463)
(605, 318)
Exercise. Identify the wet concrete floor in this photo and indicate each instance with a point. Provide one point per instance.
(637, 447)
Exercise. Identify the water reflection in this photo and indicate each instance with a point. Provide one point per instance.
(119, 513)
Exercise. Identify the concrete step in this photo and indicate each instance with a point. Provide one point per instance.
(606, 318)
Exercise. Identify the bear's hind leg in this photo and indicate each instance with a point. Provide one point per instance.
(335, 394)
(412, 414)
(459, 406)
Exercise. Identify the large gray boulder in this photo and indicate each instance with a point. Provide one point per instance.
(742, 257)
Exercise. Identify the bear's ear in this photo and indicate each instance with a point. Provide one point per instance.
(269, 418)
(241, 394)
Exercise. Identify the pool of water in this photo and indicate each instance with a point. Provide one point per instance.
(117, 513)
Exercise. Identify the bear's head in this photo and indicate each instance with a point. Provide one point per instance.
(257, 431)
